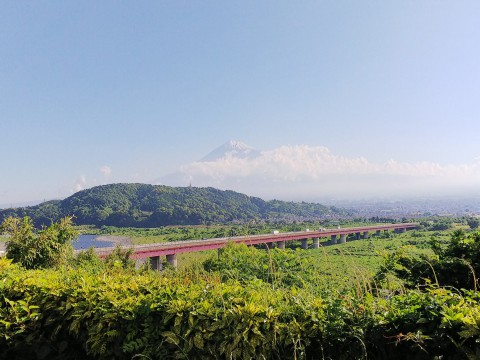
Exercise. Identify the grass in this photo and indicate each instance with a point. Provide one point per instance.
(139, 240)
(192, 259)
(346, 265)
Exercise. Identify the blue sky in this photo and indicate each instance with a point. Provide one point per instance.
(94, 92)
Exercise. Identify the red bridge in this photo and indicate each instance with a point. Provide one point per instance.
(337, 236)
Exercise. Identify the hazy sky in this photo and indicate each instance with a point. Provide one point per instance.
(93, 92)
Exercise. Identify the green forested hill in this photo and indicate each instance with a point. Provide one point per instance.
(142, 205)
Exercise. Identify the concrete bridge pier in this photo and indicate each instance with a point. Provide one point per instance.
(304, 244)
(269, 245)
(366, 235)
(155, 263)
(402, 230)
(172, 260)
(281, 245)
(357, 236)
(333, 239)
(316, 243)
(379, 232)
(343, 238)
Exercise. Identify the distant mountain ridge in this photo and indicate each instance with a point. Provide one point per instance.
(21, 204)
(144, 205)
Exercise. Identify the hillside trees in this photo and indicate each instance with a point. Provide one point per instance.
(143, 205)
(473, 222)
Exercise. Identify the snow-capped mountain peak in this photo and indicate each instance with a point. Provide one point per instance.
(231, 148)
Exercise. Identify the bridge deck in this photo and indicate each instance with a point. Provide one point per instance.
(177, 247)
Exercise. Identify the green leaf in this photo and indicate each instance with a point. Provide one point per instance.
(198, 341)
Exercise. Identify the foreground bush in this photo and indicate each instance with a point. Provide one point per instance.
(80, 314)
(454, 264)
(72, 314)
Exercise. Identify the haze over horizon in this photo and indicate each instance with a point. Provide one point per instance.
(335, 99)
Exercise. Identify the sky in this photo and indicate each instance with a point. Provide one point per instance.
(352, 98)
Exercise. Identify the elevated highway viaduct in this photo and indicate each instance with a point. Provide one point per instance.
(154, 252)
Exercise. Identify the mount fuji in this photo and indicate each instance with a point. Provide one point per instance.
(231, 148)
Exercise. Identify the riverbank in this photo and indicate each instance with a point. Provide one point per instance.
(115, 240)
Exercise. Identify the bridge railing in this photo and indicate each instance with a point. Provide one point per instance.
(202, 244)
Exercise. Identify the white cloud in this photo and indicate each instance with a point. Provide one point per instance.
(292, 162)
(315, 170)
(80, 184)
(106, 171)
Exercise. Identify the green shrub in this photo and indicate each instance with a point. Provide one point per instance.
(455, 263)
(34, 248)
(282, 268)
(76, 313)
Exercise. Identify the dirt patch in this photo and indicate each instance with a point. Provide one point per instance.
(120, 240)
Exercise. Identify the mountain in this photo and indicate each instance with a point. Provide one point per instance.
(231, 148)
(143, 205)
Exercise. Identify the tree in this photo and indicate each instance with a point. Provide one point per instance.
(473, 222)
(34, 248)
